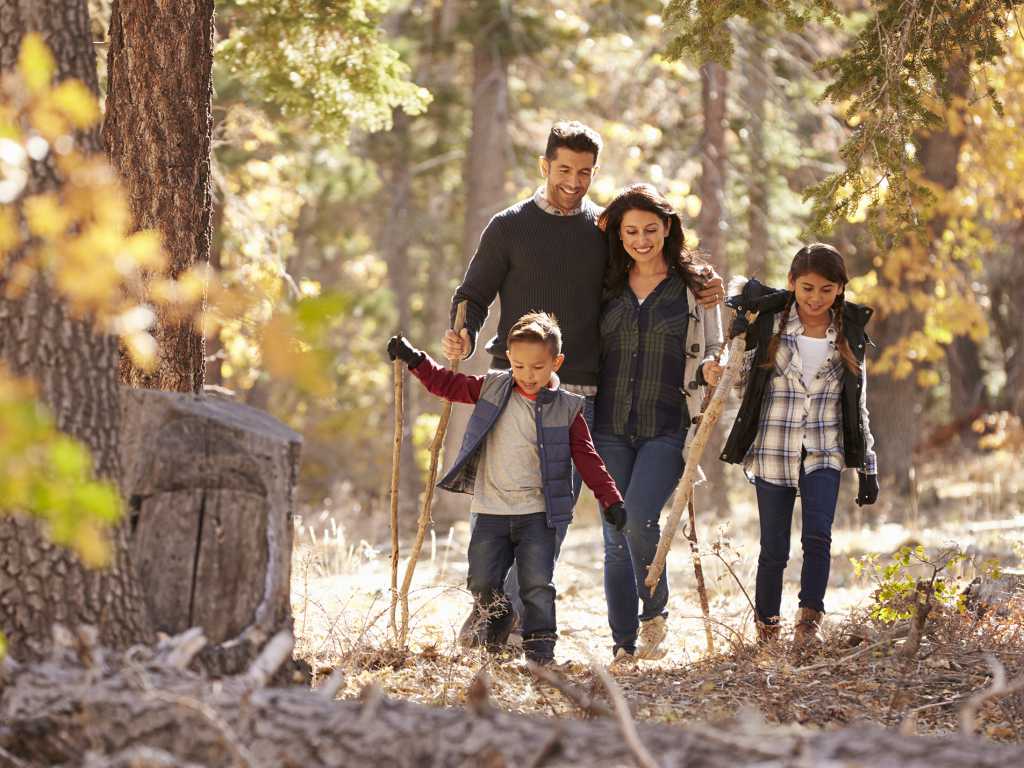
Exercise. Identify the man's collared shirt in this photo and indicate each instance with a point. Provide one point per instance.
(545, 205)
(795, 418)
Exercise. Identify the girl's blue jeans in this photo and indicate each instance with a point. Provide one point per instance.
(646, 472)
(819, 492)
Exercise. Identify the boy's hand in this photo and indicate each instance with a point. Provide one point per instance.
(713, 292)
(455, 345)
(867, 489)
(615, 516)
(400, 349)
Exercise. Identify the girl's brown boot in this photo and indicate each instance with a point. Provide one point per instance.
(767, 633)
(808, 622)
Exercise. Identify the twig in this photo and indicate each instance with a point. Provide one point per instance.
(698, 573)
(329, 688)
(424, 519)
(396, 460)
(998, 689)
(628, 727)
(270, 660)
(700, 440)
(716, 551)
(581, 699)
(849, 657)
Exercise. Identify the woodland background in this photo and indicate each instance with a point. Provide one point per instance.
(295, 181)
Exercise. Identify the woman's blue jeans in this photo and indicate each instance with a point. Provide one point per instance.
(646, 472)
(819, 492)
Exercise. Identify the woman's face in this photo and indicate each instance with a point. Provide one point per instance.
(643, 236)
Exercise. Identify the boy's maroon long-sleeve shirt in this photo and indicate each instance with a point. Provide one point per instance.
(463, 388)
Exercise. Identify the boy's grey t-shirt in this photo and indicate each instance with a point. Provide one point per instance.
(508, 479)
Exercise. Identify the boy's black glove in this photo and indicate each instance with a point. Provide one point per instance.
(615, 515)
(399, 348)
(867, 490)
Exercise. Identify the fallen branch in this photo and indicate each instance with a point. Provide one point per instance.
(998, 689)
(700, 440)
(626, 724)
(584, 701)
(424, 519)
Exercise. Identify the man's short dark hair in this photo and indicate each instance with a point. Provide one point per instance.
(538, 327)
(575, 136)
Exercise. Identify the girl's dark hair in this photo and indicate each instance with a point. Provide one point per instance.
(693, 269)
(824, 260)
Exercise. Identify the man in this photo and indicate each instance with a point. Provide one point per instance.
(546, 254)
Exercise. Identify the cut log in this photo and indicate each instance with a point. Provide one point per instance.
(60, 712)
(211, 486)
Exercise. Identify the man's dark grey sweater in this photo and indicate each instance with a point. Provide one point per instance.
(533, 260)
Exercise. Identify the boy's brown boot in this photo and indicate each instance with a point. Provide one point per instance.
(767, 633)
(808, 622)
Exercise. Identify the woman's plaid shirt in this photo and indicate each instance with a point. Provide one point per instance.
(794, 417)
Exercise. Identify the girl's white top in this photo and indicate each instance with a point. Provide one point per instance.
(813, 352)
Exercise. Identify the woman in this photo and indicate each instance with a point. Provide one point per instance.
(657, 351)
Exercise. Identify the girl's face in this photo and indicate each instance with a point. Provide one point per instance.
(815, 296)
(643, 236)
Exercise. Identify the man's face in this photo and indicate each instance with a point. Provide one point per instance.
(568, 177)
(532, 365)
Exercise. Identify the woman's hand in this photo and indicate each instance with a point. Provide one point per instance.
(712, 372)
(713, 292)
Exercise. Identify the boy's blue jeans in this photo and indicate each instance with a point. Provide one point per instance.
(646, 472)
(497, 542)
(819, 492)
(512, 581)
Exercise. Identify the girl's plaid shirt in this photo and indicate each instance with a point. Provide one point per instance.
(794, 417)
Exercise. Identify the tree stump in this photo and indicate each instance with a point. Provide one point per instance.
(210, 483)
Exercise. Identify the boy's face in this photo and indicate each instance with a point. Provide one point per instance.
(532, 365)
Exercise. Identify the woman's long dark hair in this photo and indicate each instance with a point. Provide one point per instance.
(824, 260)
(693, 269)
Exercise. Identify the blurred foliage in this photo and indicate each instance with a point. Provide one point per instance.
(325, 61)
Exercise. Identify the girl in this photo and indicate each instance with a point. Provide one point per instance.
(657, 342)
(805, 377)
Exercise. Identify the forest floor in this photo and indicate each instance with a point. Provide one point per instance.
(341, 599)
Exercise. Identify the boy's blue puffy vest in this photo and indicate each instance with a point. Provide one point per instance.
(554, 412)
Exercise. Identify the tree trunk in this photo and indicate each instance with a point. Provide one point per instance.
(75, 370)
(149, 710)
(755, 96)
(896, 405)
(487, 163)
(157, 132)
(710, 230)
(211, 484)
(1005, 272)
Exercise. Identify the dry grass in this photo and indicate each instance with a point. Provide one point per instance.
(341, 600)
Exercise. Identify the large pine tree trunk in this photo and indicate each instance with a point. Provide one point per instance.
(896, 404)
(710, 230)
(157, 133)
(755, 97)
(75, 369)
(487, 163)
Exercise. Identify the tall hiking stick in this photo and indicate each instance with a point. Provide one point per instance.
(396, 459)
(685, 491)
(424, 520)
(691, 535)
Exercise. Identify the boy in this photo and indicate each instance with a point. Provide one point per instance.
(515, 460)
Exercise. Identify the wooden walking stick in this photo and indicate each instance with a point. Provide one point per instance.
(424, 519)
(396, 458)
(685, 490)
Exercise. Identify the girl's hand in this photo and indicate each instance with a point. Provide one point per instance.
(712, 372)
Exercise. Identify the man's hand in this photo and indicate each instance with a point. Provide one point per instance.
(455, 345)
(867, 489)
(615, 516)
(713, 292)
(400, 349)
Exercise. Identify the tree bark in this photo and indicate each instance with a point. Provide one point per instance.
(157, 132)
(710, 230)
(75, 370)
(487, 163)
(150, 707)
(755, 96)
